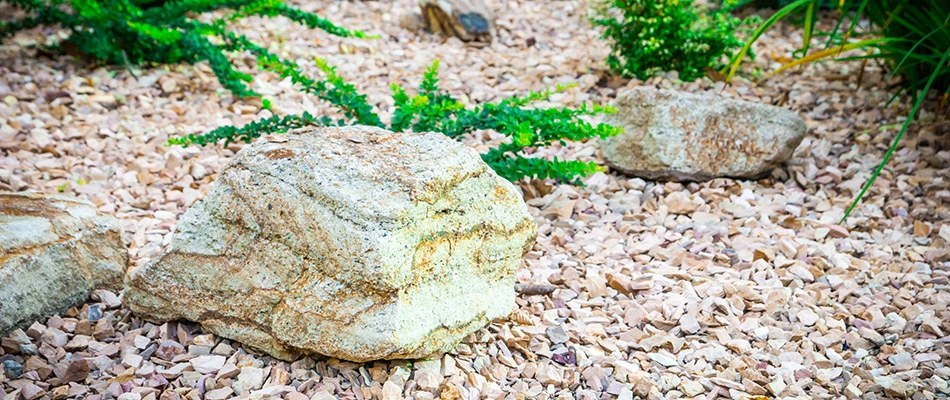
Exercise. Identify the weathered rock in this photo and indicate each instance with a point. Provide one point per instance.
(680, 136)
(12, 369)
(468, 20)
(77, 371)
(54, 250)
(356, 243)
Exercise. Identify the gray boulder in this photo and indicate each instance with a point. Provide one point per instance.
(54, 250)
(671, 135)
(355, 243)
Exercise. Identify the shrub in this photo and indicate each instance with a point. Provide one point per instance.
(432, 109)
(648, 37)
(918, 34)
(133, 32)
(912, 36)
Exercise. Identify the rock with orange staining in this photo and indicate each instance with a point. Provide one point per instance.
(356, 243)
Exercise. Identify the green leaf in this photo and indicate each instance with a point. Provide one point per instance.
(890, 151)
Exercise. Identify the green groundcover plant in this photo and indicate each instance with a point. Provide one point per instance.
(648, 37)
(434, 110)
(133, 32)
(911, 36)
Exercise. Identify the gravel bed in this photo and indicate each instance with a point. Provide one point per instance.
(635, 288)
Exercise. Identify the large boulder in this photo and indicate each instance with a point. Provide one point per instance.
(54, 250)
(355, 243)
(671, 135)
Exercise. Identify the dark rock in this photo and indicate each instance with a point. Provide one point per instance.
(95, 312)
(149, 351)
(12, 369)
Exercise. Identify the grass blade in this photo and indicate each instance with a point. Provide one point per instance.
(890, 151)
(842, 6)
(825, 53)
(737, 60)
(914, 47)
(810, 15)
(854, 21)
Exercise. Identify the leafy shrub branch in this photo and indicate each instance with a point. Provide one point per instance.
(648, 37)
(433, 109)
(133, 32)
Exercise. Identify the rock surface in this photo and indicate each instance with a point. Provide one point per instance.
(355, 243)
(468, 20)
(672, 135)
(53, 251)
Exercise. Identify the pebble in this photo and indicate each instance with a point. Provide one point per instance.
(107, 298)
(663, 358)
(77, 371)
(691, 388)
(901, 358)
(54, 337)
(208, 364)
(219, 394)
(168, 349)
(690, 324)
(29, 391)
(807, 317)
(222, 349)
(94, 313)
(251, 377)
(12, 369)
(557, 334)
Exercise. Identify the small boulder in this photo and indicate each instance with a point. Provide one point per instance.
(355, 243)
(671, 135)
(54, 250)
(468, 20)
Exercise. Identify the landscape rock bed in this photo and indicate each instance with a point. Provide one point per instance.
(354, 242)
(724, 288)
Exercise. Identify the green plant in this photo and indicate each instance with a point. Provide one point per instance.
(432, 109)
(911, 36)
(651, 36)
(133, 32)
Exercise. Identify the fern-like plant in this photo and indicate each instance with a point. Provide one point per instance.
(133, 32)
(432, 109)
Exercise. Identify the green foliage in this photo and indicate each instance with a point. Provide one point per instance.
(912, 36)
(133, 32)
(250, 131)
(919, 33)
(648, 37)
(434, 110)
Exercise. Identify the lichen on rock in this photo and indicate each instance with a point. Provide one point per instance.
(54, 250)
(680, 136)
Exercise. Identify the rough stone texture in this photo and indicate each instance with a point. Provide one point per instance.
(355, 243)
(468, 20)
(672, 135)
(54, 250)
